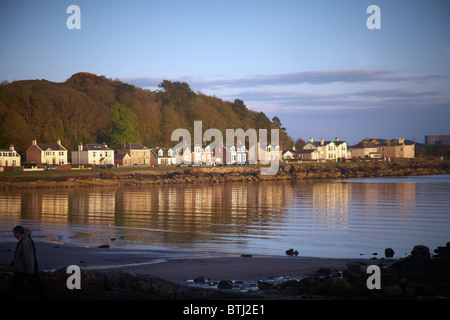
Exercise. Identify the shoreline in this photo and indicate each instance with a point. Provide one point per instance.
(288, 172)
(124, 274)
(178, 266)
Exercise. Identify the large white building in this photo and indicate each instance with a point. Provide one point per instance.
(94, 154)
(329, 150)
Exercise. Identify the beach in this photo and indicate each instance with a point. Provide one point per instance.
(174, 265)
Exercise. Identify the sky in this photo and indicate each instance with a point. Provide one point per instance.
(313, 63)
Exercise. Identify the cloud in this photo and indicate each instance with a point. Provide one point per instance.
(357, 90)
(320, 77)
(356, 100)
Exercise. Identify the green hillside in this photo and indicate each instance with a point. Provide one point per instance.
(90, 108)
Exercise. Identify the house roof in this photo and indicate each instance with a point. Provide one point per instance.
(95, 147)
(51, 146)
(134, 146)
(119, 156)
(165, 151)
(305, 151)
(326, 142)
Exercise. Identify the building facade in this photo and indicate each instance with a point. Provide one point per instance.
(385, 149)
(162, 156)
(93, 154)
(47, 153)
(139, 154)
(9, 157)
(328, 150)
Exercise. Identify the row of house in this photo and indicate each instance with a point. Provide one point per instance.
(50, 154)
(138, 154)
(336, 150)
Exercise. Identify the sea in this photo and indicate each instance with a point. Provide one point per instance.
(334, 218)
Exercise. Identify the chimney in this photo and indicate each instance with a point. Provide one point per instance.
(58, 141)
(321, 141)
(401, 140)
(34, 142)
(80, 147)
(336, 139)
(311, 140)
(293, 147)
(11, 147)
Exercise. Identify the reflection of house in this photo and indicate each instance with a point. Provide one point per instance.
(162, 156)
(9, 157)
(47, 153)
(139, 154)
(373, 148)
(122, 160)
(93, 153)
(329, 150)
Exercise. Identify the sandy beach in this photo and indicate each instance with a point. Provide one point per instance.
(175, 266)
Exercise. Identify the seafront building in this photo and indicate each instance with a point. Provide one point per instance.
(93, 154)
(9, 157)
(384, 149)
(327, 150)
(47, 153)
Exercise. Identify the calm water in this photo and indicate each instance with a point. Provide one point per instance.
(336, 218)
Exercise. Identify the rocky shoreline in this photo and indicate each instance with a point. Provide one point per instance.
(224, 174)
(420, 276)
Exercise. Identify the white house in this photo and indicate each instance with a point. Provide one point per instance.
(329, 150)
(9, 157)
(93, 153)
(162, 156)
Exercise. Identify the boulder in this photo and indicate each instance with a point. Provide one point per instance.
(389, 252)
(225, 284)
(421, 250)
(391, 291)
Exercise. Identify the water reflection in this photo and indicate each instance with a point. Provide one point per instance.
(324, 217)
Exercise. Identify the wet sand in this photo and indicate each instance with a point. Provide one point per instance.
(177, 266)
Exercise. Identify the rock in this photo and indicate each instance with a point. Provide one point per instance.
(309, 285)
(336, 286)
(323, 270)
(103, 246)
(225, 284)
(292, 252)
(389, 252)
(266, 286)
(199, 279)
(354, 267)
(393, 290)
(421, 250)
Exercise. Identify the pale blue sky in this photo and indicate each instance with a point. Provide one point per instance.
(314, 64)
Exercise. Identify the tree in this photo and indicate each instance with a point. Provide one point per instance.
(177, 93)
(299, 143)
(277, 122)
(262, 122)
(124, 128)
(239, 108)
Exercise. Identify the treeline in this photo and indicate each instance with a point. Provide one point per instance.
(89, 108)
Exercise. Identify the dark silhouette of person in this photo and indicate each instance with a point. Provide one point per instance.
(25, 265)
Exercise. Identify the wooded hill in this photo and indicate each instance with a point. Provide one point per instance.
(89, 108)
